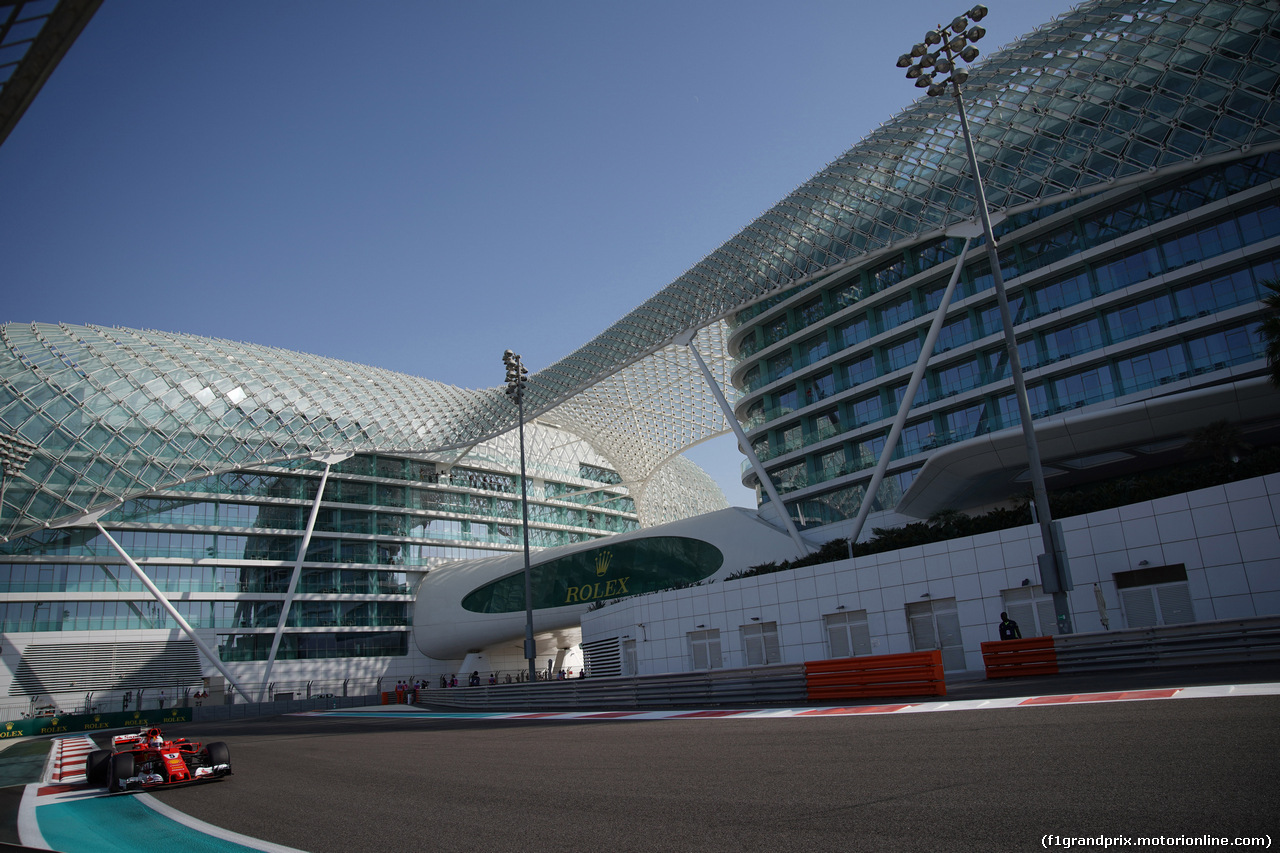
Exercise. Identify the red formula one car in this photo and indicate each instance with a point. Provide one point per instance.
(148, 760)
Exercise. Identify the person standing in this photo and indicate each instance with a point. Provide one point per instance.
(1009, 628)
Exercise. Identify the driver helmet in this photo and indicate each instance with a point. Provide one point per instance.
(154, 738)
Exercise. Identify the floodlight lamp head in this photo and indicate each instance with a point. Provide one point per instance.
(933, 37)
(959, 76)
(978, 12)
(924, 81)
(928, 59)
(969, 54)
(508, 355)
(914, 71)
(959, 23)
(919, 49)
(975, 32)
(943, 65)
(904, 61)
(957, 44)
(936, 89)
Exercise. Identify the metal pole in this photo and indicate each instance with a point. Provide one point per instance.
(528, 571)
(1040, 495)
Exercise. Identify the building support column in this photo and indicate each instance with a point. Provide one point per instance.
(904, 408)
(168, 606)
(329, 461)
(744, 445)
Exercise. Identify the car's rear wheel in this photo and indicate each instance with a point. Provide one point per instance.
(96, 767)
(219, 754)
(122, 769)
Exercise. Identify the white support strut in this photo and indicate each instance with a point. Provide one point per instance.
(170, 609)
(917, 375)
(746, 448)
(328, 460)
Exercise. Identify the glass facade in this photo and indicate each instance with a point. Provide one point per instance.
(222, 549)
(1144, 290)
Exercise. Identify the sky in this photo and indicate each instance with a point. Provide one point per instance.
(419, 186)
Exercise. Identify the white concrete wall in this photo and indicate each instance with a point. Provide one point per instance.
(1227, 536)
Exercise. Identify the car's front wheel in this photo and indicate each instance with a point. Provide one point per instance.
(97, 767)
(122, 770)
(219, 754)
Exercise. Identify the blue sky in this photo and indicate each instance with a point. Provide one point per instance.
(419, 186)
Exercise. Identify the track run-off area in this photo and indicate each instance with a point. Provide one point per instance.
(996, 773)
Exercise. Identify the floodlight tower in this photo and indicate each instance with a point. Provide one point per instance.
(517, 380)
(929, 66)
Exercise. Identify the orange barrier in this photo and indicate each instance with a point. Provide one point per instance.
(911, 674)
(1030, 656)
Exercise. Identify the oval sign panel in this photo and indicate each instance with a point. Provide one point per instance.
(611, 571)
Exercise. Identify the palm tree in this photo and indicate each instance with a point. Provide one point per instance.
(948, 521)
(1270, 328)
(1220, 441)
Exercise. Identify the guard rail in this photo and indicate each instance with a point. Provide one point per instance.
(1219, 641)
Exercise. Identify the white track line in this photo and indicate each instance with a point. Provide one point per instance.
(209, 829)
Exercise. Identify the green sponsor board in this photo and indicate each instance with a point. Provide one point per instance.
(616, 570)
(73, 723)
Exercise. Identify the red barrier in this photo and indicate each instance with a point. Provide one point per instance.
(911, 674)
(1030, 656)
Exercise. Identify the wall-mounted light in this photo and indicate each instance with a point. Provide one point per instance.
(755, 618)
(926, 595)
(1026, 581)
(1143, 563)
(699, 626)
(839, 607)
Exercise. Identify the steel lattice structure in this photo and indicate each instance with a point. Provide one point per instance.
(1112, 91)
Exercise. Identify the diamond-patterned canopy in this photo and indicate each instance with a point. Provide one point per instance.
(1113, 89)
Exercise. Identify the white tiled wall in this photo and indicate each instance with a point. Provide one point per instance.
(1227, 536)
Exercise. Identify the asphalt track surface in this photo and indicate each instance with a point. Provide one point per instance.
(994, 779)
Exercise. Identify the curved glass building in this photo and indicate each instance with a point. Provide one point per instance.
(1128, 295)
(1131, 155)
